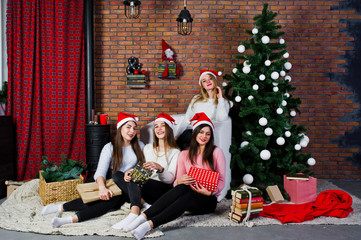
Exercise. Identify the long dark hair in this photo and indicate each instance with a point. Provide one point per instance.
(208, 150)
(118, 143)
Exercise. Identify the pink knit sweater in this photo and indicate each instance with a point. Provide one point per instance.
(184, 165)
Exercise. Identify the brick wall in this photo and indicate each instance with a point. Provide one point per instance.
(317, 39)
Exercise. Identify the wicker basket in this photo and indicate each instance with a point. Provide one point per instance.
(58, 191)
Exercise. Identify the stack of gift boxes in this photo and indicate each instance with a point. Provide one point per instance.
(240, 201)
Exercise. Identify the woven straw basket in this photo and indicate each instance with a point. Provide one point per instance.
(63, 191)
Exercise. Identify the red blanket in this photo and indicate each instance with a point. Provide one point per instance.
(332, 203)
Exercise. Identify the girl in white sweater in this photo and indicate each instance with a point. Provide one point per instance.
(161, 156)
(210, 101)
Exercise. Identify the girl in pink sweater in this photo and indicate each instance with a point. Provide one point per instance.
(187, 195)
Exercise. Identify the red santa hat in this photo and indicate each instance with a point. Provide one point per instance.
(125, 117)
(166, 118)
(201, 118)
(211, 72)
(166, 47)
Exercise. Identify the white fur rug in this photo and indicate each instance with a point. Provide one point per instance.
(21, 212)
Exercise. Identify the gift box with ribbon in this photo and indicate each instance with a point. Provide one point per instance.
(207, 178)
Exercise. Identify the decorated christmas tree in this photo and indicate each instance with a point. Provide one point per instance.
(265, 143)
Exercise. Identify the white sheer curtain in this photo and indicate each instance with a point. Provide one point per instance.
(3, 53)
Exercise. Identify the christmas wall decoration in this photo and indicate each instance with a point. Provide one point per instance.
(265, 143)
(168, 68)
(136, 78)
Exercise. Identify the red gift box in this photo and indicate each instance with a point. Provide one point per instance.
(207, 178)
(301, 191)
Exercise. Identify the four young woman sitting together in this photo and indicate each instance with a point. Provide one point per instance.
(170, 191)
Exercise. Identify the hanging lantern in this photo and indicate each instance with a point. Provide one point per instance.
(184, 21)
(132, 8)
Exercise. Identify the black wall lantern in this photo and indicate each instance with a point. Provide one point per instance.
(132, 8)
(184, 21)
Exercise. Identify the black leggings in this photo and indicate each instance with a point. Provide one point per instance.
(93, 209)
(178, 200)
(129, 189)
(153, 190)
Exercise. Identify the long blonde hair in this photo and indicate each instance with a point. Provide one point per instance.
(117, 155)
(203, 95)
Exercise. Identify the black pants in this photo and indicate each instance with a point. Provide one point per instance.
(178, 200)
(153, 190)
(129, 189)
(95, 209)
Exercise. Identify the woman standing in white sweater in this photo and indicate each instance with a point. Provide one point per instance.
(210, 101)
(161, 156)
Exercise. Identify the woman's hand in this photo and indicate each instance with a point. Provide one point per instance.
(153, 166)
(105, 193)
(186, 180)
(127, 176)
(219, 92)
(200, 189)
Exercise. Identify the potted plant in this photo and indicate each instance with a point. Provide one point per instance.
(57, 184)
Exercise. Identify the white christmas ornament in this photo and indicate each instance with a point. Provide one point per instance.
(265, 39)
(288, 78)
(275, 89)
(267, 63)
(286, 55)
(245, 63)
(234, 70)
(224, 84)
(249, 133)
(254, 30)
(275, 75)
(283, 73)
(238, 99)
(241, 48)
(268, 131)
(263, 121)
(250, 97)
(280, 141)
(248, 179)
(293, 113)
(262, 77)
(288, 65)
(255, 87)
(311, 161)
(265, 154)
(275, 83)
(244, 143)
(279, 110)
(288, 134)
(304, 141)
(284, 103)
(246, 70)
(282, 41)
(297, 147)
(287, 95)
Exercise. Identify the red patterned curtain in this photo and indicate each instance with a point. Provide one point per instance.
(46, 81)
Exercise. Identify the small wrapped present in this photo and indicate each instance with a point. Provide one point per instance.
(140, 175)
(301, 191)
(207, 178)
